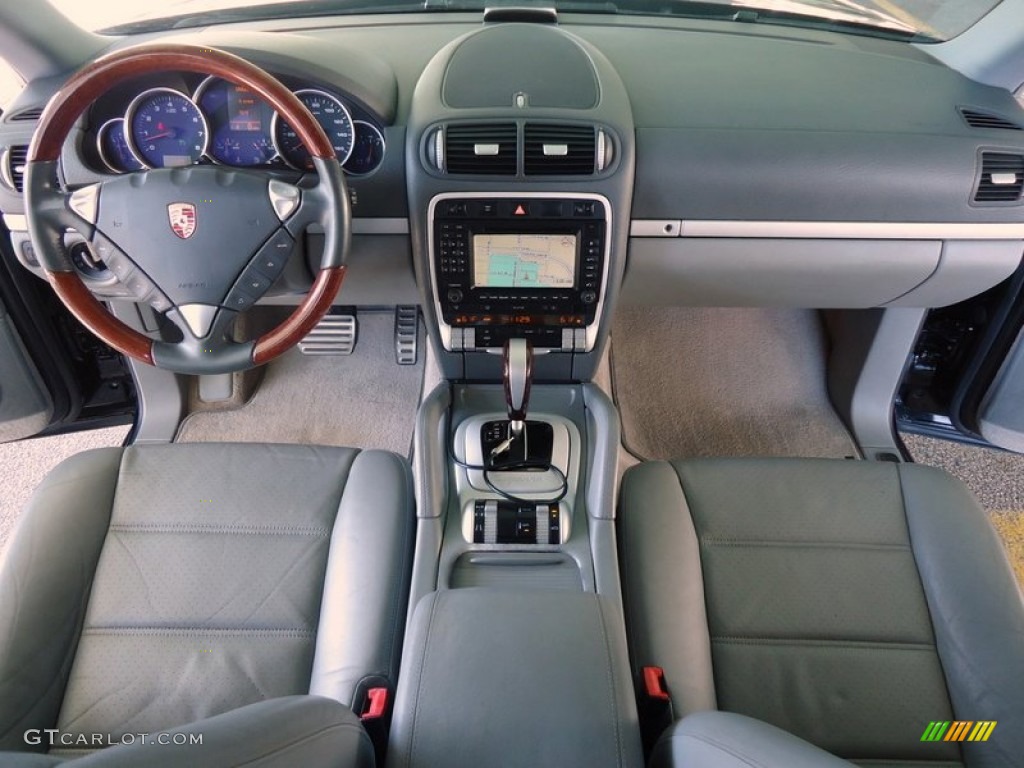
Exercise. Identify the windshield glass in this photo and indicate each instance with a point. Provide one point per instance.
(920, 19)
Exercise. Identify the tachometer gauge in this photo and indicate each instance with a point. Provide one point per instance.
(367, 151)
(113, 147)
(240, 123)
(333, 118)
(166, 129)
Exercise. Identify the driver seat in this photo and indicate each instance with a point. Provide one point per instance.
(248, 593)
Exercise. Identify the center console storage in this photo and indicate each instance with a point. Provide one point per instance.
(517, 678)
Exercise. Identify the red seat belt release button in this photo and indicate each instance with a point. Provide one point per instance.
(654, 682)
(376, 704)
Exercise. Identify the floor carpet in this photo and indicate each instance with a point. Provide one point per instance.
(724, 382)
(362, 400)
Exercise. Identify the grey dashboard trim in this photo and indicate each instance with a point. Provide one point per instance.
(845, 230)
(382, 226)
(16, 222)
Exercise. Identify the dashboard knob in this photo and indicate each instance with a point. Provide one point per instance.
(454, 295)
(588, 297)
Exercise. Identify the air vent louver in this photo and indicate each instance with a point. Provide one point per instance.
(12, 166)
(551, 149)
(978, 119)
(481, 148)
(1002, 178)
(29, 115)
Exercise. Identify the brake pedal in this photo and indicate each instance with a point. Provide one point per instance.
(333, 335)
(406, 335)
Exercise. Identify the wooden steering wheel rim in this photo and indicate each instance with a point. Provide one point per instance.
(85, 86)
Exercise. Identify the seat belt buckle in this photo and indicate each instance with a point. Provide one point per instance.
(654, 683)
(376, 704)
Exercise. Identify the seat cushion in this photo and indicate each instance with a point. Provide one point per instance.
(727, 740)
(791, 591)
(201, 578)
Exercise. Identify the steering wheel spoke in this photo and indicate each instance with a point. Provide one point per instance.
(206, 346)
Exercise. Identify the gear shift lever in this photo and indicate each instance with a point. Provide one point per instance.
(517, 373)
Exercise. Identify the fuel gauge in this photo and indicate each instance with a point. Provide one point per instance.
(367, 150)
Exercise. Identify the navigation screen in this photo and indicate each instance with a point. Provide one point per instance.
(524, 261)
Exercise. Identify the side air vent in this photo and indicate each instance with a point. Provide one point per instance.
(554, 149)
(12, 166)
(481, 148)
(978, 119)
(1002, 178)
(29, 115)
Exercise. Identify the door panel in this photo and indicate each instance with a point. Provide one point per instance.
(26, 407)
(54, 375)
(965, 380)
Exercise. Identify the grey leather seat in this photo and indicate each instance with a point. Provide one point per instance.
(238, 591)
(848, 603)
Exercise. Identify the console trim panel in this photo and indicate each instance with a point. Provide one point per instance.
(445, 330)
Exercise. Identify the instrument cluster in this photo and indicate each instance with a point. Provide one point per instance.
(228, 124)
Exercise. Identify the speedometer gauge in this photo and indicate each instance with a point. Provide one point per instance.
(240, 123)
(166, 129)
(113, 147)
(333, 118)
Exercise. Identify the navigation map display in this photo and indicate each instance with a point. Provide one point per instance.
(524, 261)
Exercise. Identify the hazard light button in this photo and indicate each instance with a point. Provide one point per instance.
(521, 209)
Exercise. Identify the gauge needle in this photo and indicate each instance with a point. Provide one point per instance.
(164, 135)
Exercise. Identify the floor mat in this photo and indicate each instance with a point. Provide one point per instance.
(724, 382)
(995, 477)
(362, 400)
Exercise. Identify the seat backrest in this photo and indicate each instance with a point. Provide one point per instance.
(822, 602)
(207, 577)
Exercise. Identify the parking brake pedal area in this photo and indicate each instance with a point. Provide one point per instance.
(406, 335)
(334, 335)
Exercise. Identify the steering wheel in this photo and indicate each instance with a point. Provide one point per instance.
(197, 243)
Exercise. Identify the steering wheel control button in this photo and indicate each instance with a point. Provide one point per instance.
(86, 202)
(253, 282)
(238, 299)
(284, 197)
(111, 255)
(199, 318)
(274, 255)
(159, 302)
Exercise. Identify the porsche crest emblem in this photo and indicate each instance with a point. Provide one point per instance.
(183, 219)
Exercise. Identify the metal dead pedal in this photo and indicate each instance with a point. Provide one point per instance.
(406, 334)
(334, 335)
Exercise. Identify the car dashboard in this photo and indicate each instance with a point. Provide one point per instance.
(674, 161)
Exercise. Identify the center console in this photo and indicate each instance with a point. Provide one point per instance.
(528, 265)
(519, 190)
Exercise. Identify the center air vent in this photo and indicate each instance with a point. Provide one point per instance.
(1002, 178)
(481, 148)
(12, 166)
(29, 115)
(978, 119)
(554, 149)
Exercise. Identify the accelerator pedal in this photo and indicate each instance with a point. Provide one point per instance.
(407, 320)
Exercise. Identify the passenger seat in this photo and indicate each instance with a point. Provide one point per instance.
(848, 603)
